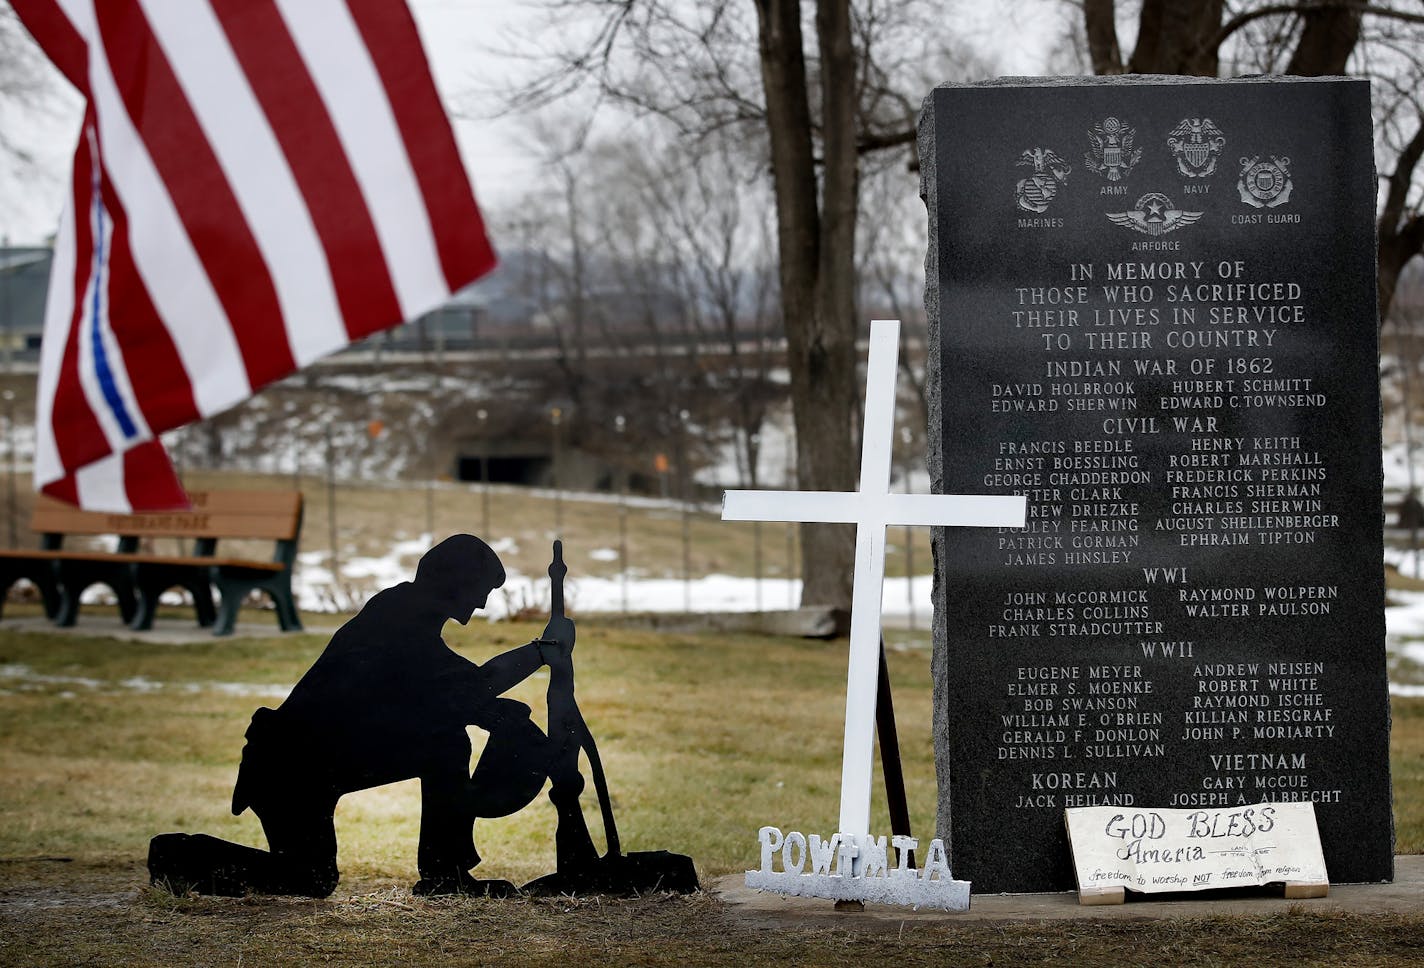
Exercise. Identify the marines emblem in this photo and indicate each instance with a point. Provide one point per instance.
(1195, 142)
(1112, 154)
(1265, 184)
(1049, 171)
(1154, 215)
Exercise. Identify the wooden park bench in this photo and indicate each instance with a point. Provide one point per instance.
(139, 577)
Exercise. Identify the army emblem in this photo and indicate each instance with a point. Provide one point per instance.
(1265, 184)
(1154, 215)
(1195, 142)
(1049, 171)
(1112, 153)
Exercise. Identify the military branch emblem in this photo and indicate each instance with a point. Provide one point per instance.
(1154, 215)
(1265, 184)
(1112, 153)
(1049, 171)
(1195, 142)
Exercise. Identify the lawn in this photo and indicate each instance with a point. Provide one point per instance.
(104, 744)
(153, 744)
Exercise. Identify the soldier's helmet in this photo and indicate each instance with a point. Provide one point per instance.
(458, 574)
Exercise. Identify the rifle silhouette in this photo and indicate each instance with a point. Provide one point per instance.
(557, 572)
(640, 872)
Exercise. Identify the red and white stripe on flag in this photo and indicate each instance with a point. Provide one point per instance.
(257, 183)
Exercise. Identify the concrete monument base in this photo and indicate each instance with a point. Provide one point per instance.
(1405, 895)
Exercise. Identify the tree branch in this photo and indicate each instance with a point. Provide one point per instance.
(1400, 181)
(1099, 20)
(877, 141)
(1277, 9)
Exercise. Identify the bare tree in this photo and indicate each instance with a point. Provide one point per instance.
(822, 81)
(889, 267)
(704, 210)
(1307, 38)
(24, 74)
(34, 107)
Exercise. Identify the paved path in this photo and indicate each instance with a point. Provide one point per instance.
(1404, 896)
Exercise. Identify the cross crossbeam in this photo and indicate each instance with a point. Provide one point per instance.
(871, 510)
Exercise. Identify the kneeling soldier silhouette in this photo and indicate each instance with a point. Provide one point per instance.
(388, 700)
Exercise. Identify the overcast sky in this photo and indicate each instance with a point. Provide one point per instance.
(461, 38)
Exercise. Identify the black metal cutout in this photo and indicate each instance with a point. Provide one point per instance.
(387, 701)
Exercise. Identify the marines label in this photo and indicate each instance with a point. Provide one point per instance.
(1049, 171)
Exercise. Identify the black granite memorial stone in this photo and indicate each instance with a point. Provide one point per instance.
(1153, 313)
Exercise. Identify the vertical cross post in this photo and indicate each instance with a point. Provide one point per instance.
(871, 510)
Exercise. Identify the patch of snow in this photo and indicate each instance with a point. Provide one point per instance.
(775, 460)
(710, 593)
(27, 675)
(1404, 620)
(27, 680)
(246, 690)
(1395, 461)
(313, 589)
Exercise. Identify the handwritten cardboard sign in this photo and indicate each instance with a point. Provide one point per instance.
(1126, 848)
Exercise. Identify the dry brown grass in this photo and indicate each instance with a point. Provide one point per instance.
(92, 914)
(704, 737)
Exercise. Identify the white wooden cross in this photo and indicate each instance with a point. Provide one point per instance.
(871, 510)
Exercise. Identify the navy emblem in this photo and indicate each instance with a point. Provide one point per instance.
(1049, 171)
(1112, 153)
(1265, 184)
(1195, 143)
(1154, 215)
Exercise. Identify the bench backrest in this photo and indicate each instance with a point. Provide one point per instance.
(216, 514)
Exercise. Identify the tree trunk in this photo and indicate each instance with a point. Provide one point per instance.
(1100, 23)
(1401, 233)
(1174, 37)
(817, 267)
(1326, 40)
(1184, 37)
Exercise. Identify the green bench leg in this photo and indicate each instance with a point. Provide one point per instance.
(152, 583)
(232, 590)
(41, 574)
(75, 576)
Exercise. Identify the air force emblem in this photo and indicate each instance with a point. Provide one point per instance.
(1195, 142)
(1154, 215)
(1265, 184)
(1049, 171)
(1112, 153)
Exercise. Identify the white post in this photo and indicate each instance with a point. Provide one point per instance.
(871, 509)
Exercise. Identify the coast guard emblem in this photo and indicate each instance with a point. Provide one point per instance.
(1265, 184)
(1049, 171)
(1154, 215)
(1195, 143)
(1112, 153)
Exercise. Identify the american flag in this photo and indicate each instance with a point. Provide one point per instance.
(257, 183)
